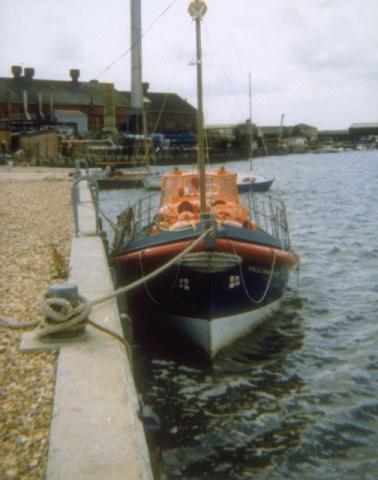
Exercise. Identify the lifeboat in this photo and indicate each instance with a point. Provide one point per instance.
(229, 282)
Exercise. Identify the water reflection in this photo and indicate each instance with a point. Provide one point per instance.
(230, 416)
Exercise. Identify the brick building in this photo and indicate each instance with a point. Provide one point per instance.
(92, 106)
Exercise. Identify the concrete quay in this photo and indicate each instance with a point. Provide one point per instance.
(95, 432)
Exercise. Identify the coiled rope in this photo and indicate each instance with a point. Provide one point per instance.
(61, 315)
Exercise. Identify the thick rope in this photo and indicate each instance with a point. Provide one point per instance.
(17, 325)
(147, 288)
(61, 315)
(154, 273)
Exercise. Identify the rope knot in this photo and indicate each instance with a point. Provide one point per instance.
(63, 318)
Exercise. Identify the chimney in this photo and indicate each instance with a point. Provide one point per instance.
(17, 71)
(109, 109)
(25, 104)
(29, 73)
(40, 106)
(9, 105)
(145, 87)
(51, 107)
(74, 74)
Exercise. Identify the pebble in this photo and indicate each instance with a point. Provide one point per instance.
(35, 213)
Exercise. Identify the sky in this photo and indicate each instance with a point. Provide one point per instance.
(315, 61)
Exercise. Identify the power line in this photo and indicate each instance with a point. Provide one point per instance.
(138, 39)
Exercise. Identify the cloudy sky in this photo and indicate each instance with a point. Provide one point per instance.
(316, 61)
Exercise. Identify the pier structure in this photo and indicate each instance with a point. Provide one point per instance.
(95, 431)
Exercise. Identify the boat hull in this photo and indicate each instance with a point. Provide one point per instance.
(152, 182)
(208, 310)
(258, 186)
(124, 180)
(212, 336)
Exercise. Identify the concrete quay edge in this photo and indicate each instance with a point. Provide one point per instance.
(95, 432)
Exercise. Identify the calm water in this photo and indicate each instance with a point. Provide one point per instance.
(298, 398)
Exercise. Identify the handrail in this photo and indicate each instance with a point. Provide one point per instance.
(75, 196)
(266, 211)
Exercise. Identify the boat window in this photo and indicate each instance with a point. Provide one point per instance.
(234, 281)
(184, 283)
(170, 189)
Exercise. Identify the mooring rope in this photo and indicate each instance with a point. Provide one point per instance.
(147, 288)
(18, 325)
(61, 315)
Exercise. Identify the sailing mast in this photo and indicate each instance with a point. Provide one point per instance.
(250, 149)
(197, 9)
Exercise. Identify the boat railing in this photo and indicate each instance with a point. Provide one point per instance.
(269, 214)
(266, 211)
(145, 210)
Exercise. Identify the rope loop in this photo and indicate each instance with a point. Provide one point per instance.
(60, 315)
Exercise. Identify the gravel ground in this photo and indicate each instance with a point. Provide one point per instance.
(35, 238)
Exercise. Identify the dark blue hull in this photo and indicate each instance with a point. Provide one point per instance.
(181, 291)
(263, 186)
(118, 183)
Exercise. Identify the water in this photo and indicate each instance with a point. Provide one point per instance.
(298, 398)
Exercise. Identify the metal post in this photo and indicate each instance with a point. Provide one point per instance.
(75, 196)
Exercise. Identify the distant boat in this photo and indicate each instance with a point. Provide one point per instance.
(248, 180)
(118, 179)
(152, 182)
(208, 268)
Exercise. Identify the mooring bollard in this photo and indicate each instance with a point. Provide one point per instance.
(65, 312)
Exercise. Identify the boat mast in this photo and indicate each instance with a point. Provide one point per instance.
(250, 149)
(197, 10)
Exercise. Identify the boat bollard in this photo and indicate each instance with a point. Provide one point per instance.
(65, 312)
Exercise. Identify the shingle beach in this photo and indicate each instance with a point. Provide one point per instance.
(35, 237)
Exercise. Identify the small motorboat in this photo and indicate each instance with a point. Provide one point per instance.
(116, 179)
(152, 182)
(249, 182)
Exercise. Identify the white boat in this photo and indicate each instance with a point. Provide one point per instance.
(250, 182)
(152, 182)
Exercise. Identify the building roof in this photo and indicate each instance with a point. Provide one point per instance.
(168, 103)
(220, 126)
(64, 92)
(271, 129)
(333, 132)
(85, 93)
(364, 125)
